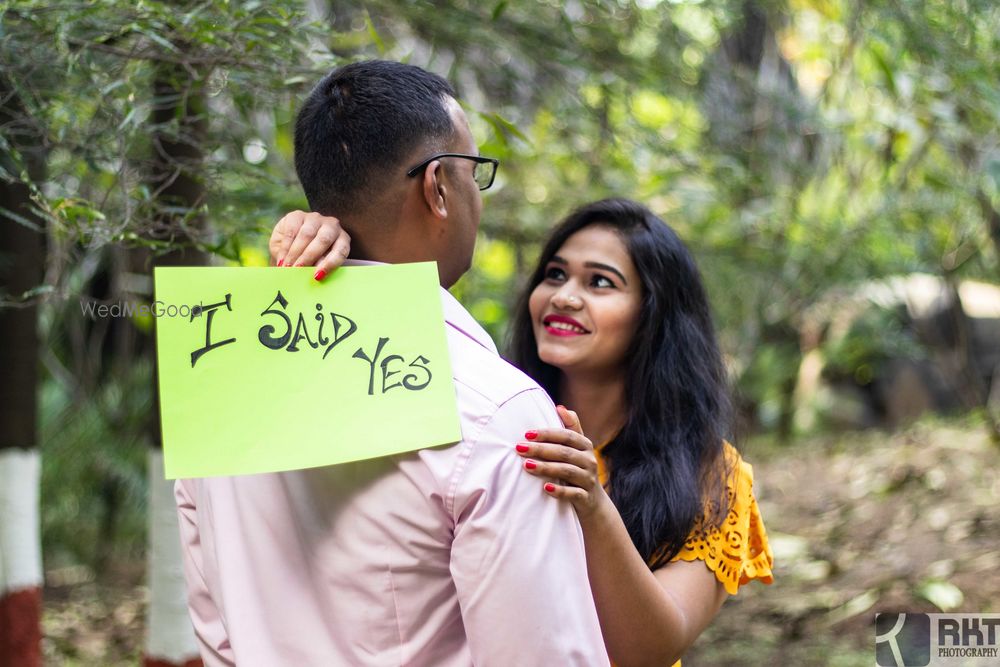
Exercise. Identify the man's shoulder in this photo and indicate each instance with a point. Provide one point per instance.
(482, 371)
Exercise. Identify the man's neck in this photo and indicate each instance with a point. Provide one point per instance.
(387, 236)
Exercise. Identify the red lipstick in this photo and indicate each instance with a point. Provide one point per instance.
(569, 326)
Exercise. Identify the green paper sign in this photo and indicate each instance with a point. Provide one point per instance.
(265, 369)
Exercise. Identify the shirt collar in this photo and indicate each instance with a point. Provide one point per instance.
(458, 318)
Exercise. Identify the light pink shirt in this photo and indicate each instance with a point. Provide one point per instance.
(450, 556)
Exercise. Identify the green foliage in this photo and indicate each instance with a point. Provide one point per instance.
(875, 337)
(87, 73)
(94, 473)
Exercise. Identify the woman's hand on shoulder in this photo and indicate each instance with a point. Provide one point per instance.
(309, 239)
(566, 455)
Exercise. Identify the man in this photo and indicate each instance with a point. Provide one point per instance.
(446, 556)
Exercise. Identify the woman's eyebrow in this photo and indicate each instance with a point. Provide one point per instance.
(606, 267)
(556, 259)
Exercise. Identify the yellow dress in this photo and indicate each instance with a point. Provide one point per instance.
(738, 551)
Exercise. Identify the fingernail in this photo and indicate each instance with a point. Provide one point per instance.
(530, 465)
(550, 488)
(522, 448)
(281, 262)
(320, 274)
(561, 407)
(531, 435)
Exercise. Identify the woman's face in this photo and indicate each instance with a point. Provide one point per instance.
(586, 309)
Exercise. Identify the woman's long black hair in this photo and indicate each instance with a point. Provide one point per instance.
(666, 466)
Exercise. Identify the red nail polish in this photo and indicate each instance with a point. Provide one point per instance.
(550, 487)
(320, 274)
(530, 465)
(522, 448)
(280, 262)
(531, 435)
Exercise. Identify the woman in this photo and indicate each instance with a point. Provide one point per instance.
(616, 324)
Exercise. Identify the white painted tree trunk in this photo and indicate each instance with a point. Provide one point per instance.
(169, 636)
(20, 558)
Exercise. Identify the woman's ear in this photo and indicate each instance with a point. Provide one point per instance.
(435, 192)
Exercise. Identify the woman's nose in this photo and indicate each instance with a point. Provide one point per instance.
(565, 298)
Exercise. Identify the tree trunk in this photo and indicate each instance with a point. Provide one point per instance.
(22, 262)
(784, 338)
(179, 129)
(971, 389)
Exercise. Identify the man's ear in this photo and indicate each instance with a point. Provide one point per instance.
(434, 190)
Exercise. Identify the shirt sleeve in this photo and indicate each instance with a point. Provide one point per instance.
(517, 558)
(209, 630)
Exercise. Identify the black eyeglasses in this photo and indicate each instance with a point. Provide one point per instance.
(484, 172)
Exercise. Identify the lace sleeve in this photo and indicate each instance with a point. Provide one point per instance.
(737, 552)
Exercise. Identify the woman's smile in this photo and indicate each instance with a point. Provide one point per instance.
(561, 325)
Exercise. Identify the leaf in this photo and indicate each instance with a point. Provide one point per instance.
(942, 594)
(788, 547)
(159, 39)
(20, 219)
(498, 10)
(885, 67)
(856, 605)
(39, 290)
(379, 44)
(129, 118)
(503, 127)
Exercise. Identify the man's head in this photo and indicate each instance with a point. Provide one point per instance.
(363, 127)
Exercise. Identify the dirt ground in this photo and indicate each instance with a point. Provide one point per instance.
(859, 523)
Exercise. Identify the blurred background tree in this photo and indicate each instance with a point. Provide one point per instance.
(816, 155)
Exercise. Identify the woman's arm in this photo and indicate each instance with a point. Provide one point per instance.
(647, 618)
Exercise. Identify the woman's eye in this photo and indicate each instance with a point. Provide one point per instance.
(554, 273)
(601, 281)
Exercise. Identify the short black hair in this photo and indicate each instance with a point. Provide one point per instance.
(359, 123)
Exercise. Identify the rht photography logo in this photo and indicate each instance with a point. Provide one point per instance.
(919, 640)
